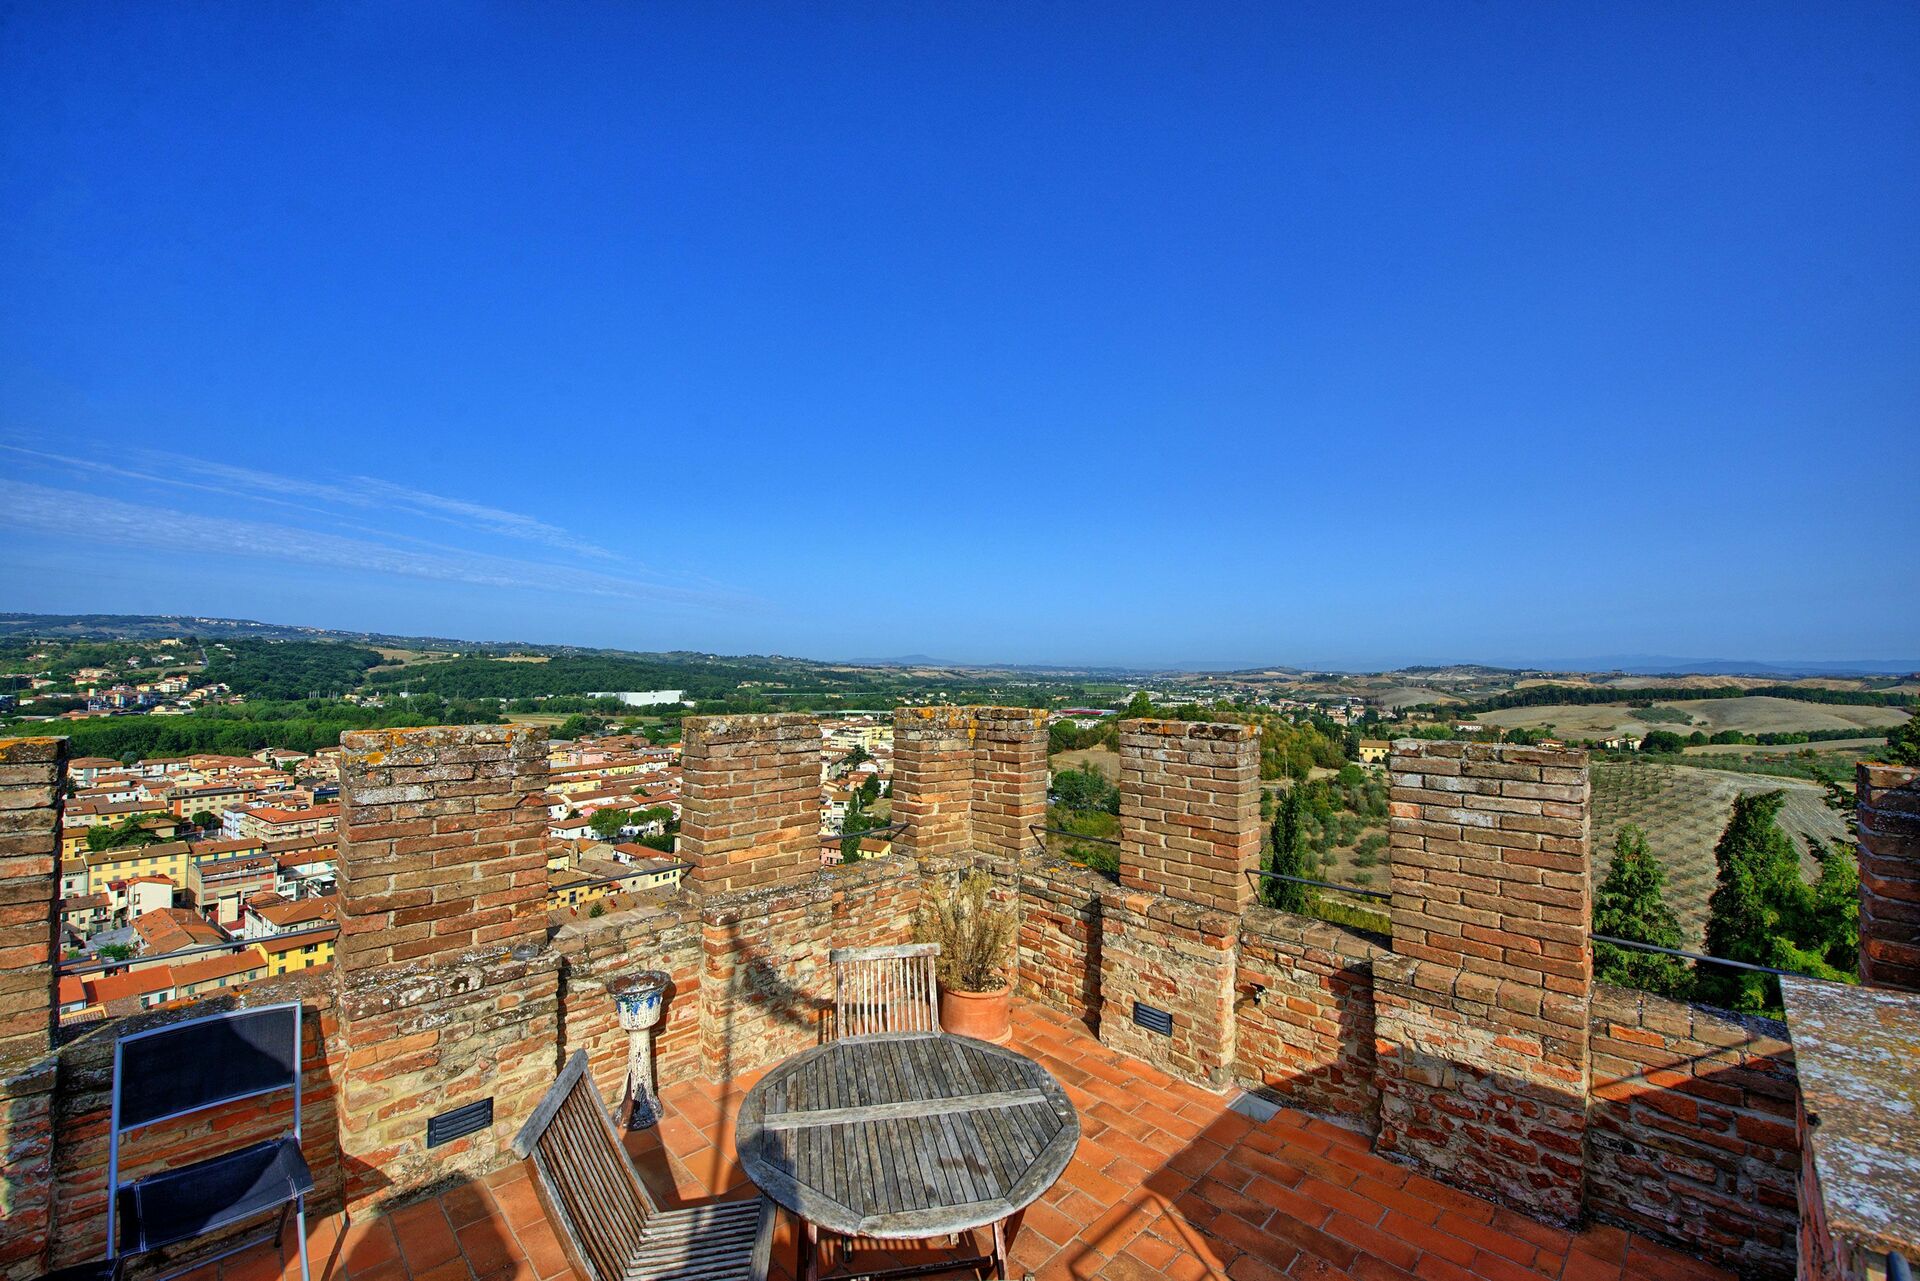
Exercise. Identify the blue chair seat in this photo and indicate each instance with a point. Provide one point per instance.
(179, 1205)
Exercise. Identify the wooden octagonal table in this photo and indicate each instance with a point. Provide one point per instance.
(906, 1136)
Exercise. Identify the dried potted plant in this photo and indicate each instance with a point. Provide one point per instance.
(974, 937)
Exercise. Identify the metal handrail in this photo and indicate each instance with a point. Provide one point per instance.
(887, 829)
(202, 949)
(1040, 829)
(1637, 945)
(1382, 895)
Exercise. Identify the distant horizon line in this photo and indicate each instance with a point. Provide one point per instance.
(1624, 664)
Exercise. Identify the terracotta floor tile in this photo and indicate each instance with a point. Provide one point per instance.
(368, 1243)
(1167, 1183)
(426, 1238)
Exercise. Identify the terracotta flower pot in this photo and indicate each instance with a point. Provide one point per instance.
(985, 1016)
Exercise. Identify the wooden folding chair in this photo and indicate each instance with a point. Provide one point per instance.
(608, 1224)
(884, 989)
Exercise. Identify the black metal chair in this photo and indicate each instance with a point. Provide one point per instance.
(188, 1067)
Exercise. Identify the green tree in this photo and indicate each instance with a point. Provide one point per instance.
(1662, 740)
(1138, 707)
(1763, 911)
(114, 836)
(1086, 788)
(114, 952)
(1631, 904)
(1288, 855)
(205, 818)
(857, 822)
(606, 824)
(1903, 743)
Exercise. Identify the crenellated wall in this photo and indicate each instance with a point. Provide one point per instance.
(1304, 996)
(1690, 1134)
(1473, 1044)
(1057, 956)
(969, 781)
(1889, 813)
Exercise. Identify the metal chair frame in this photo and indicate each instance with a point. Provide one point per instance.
(297, 1203)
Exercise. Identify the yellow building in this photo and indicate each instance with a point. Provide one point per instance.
(1374, 751)
(168, 859)
(287, 953)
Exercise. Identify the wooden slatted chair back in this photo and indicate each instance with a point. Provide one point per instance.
(585, 1181)
(885, 989)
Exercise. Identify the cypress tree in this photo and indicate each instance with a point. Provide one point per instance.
(1631, 904)
(1288, 855)
(1764, 912)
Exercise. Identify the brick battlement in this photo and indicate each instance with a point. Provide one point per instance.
(1472, 1044)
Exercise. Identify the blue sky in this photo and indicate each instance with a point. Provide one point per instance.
(1268, 333)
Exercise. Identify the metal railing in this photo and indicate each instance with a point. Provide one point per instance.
(1638, 946)
(885, 830)
(1383, 896)
(1380, 895)
(202, 949)
(1040, 829)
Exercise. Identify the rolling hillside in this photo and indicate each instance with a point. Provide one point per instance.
(1683, 811)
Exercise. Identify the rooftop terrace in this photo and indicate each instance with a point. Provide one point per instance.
(1169, 1181)
(1457, 1099)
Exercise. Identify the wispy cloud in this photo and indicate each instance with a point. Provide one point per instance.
(363, 493)
(95, 518)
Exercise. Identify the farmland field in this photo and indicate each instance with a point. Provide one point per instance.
(1683, 810)
(1104, 759)
(1755, 715)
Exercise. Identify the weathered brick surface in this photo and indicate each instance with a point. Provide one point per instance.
(1889, 810)
(1691, 1133)
(1481, 1015)
(442, 843)
(1058, 948)
(662, 933)
(27, 1188)
(750, 804)
(33, 775)
(1175, 956)
(83, 1107)
(425, 1039)
(969, 780)
(1190, 811)
(448, 992)
(766, 979)
(1304, 1029)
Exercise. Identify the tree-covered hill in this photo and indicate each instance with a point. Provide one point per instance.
(289, 669)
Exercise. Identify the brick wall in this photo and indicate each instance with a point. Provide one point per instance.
(1305, 1029)
(658, 935)
(448, 993)
(1481, 1016)
(1691, 1133)
(765, 978)
(1175, 956)
(442, 843)
(1057, 953)
(750, 802)
(1889, 797)
(427, 1038)
(33, 774)
(1189, 836)
(969, 780)
(27, 1186)
(1190, 811)
(32, 779)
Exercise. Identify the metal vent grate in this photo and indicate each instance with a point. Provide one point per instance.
(1153, 1020)
(449, 1126)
